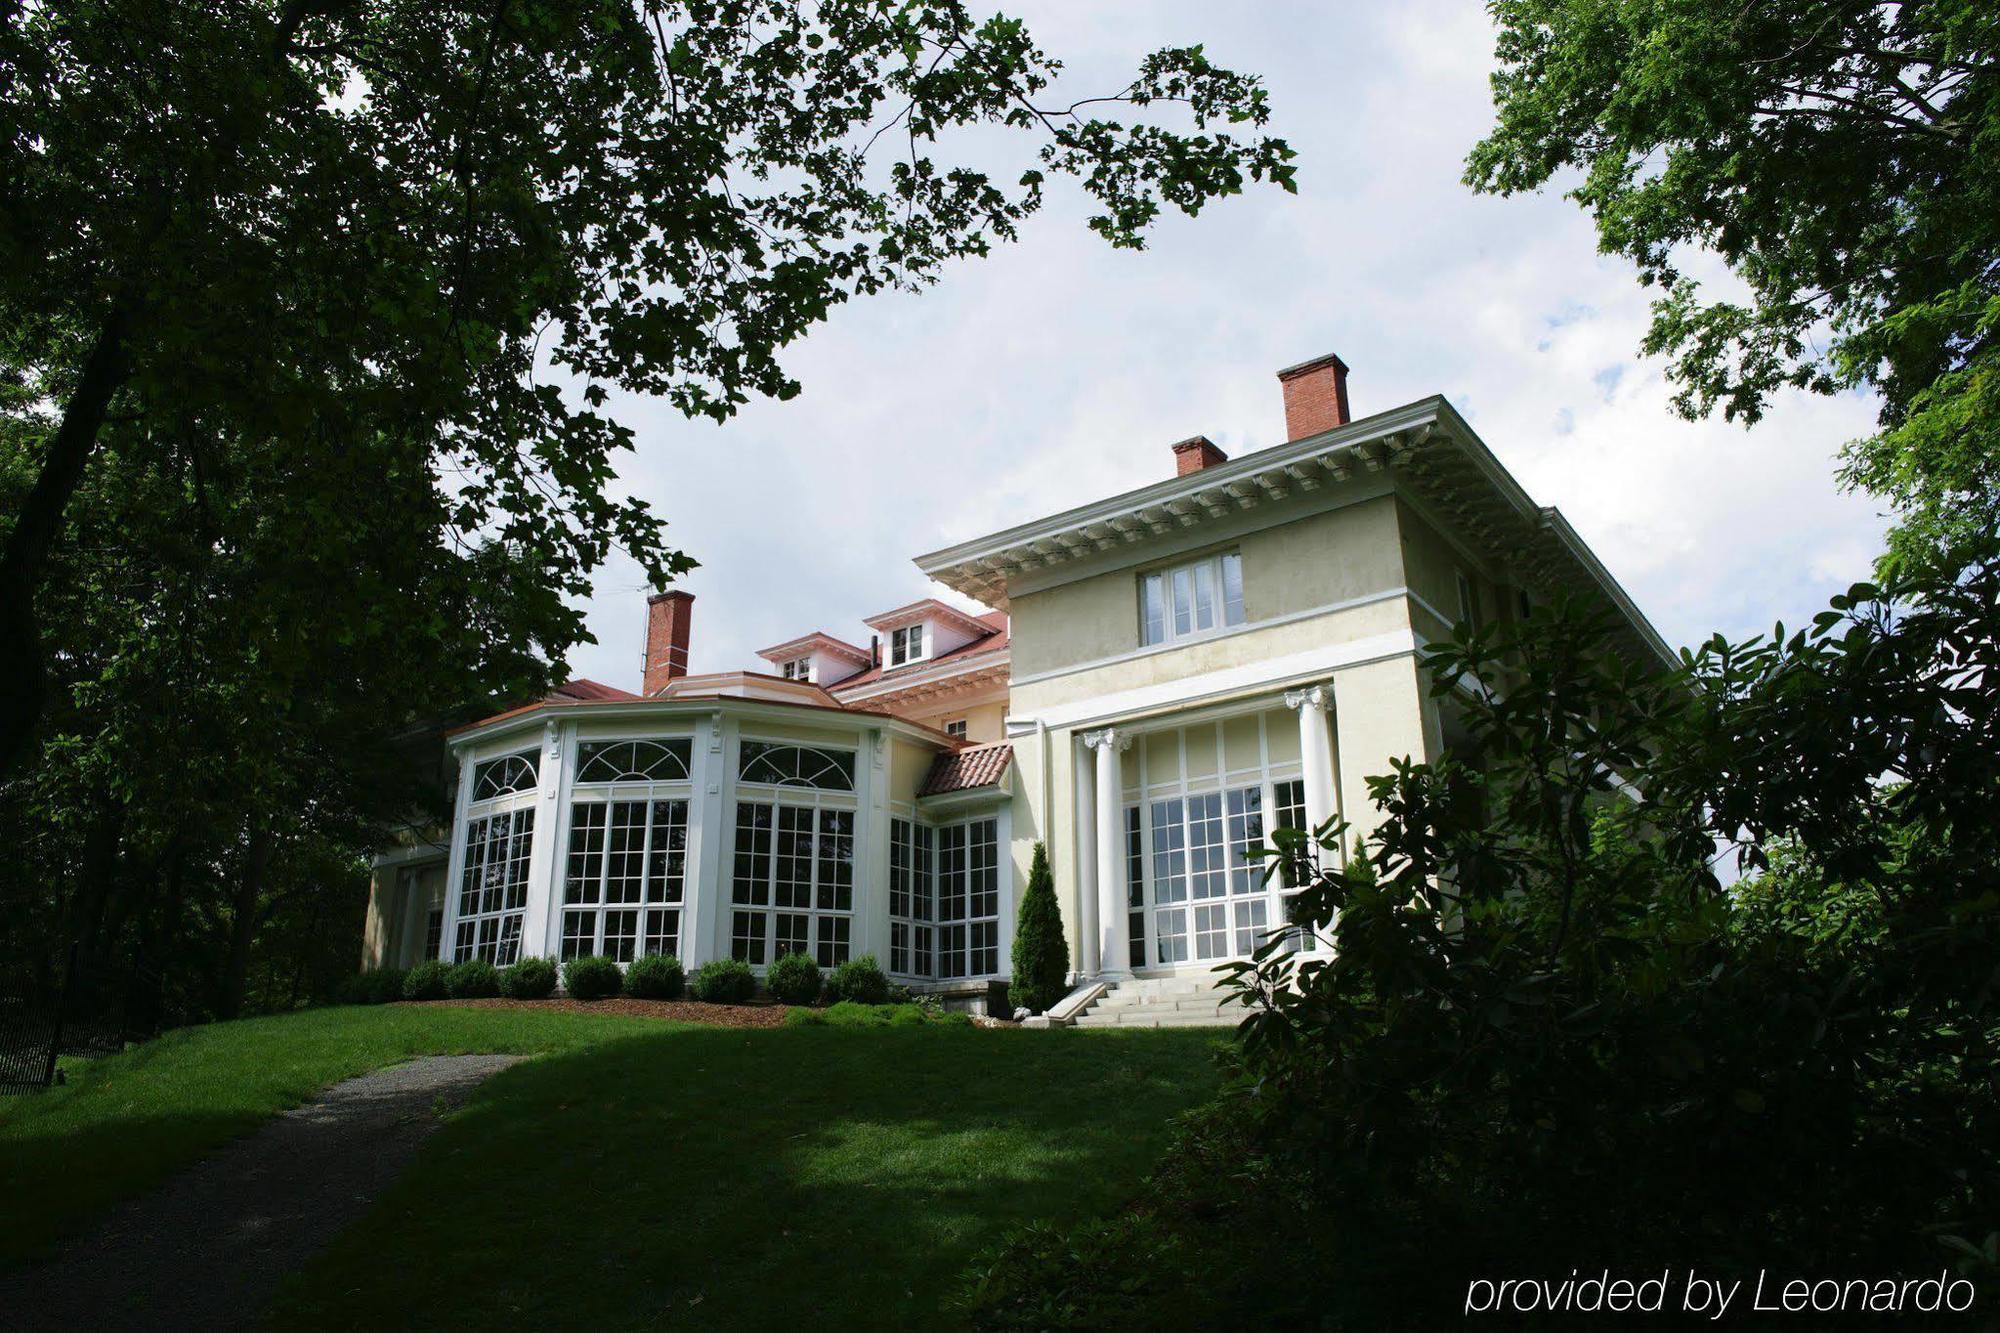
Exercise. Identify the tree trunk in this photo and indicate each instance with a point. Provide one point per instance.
(243, 924)
(26, 559)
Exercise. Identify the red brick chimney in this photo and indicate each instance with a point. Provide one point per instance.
(1315, 396)
(1192, 455)
(667, 617)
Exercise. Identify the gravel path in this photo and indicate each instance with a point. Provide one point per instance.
(209, 1248)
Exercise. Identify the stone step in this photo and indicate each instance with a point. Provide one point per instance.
(1149, 1004)
(1173, 1018)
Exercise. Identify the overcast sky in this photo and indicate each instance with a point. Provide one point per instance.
(1058, 371)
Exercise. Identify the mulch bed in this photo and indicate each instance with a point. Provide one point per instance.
(758, 1015)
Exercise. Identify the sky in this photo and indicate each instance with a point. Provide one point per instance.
(1058, 370)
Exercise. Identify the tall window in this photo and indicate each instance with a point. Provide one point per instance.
(906, 644)
(1208, 890)
(1468, 601)
(968, 898)
(912, 899)
(1290, 798)
(1135, 887)
(493, 892)
(793, 886)
(623, 888)
(1191, 599)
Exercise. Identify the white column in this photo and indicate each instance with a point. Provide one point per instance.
(541, 933)
(1314, 706)
(1086, 862)
(1114, 958)
(455, 866)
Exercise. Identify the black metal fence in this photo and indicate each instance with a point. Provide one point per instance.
(89, 1010)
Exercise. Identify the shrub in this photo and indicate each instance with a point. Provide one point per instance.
(724, 981)
(529, 979)
(377, 986)
(1041, 954)
(848, 1014)
(592, 978)
(657, 976)
(794, 979)
(860, 980)
(901, 994)
(473, 979)
(427, 981)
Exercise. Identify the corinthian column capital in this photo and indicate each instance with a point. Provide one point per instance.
(1312, 696)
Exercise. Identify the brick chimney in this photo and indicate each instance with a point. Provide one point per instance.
(667, 617)
(1315, 396)
(1192, 455)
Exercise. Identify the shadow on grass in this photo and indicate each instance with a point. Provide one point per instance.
(724, 1178)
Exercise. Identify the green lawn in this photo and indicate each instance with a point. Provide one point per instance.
(641, 1173)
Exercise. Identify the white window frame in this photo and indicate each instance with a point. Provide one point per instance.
(655, 920)
(1468, 601)
(1242, 905)
(912, 899)
(1191, 600)
(957, 727)
(493, 932)
(909, 643)
(798, 668)
(832, 933)
(977, 927)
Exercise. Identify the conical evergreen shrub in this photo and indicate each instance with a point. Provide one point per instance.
(1041, 954)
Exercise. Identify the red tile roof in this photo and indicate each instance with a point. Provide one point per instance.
(993, 642)
(974, 766)
(588, 691)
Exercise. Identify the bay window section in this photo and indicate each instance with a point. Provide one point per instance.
(968, 900)
(625, 879)
(1189, 600)
(499, 836)
(493, 892)
(912, 899)
(792, 890)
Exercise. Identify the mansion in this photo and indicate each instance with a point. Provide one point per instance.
(1157, 680)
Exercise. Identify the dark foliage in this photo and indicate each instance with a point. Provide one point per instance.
(860, 980)
(473, 979)
(380, 985)
(656, 977)
(724, 981)
(794, 979)
(529, 979)
(428, 980)
(592, 978)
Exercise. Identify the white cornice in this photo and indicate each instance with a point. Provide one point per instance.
(654, 710)
(927, 675)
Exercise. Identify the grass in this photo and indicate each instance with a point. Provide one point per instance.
(125, 1123)
(643, 1173)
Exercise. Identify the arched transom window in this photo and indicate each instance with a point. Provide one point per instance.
(797, 766)
(633, 761)
(506, 775)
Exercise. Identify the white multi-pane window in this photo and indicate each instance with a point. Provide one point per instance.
(499, 837)
(956, 727)
(912, 899)
(1289, 812)
(792, 882)
(1199, 801)
(906, 644)
(625, 869)
(625, 879)
(968, 899)
(1192, 599)
(799, 668)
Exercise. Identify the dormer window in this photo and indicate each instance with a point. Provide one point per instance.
(799, 668)
(1190, 600)
(906, 644)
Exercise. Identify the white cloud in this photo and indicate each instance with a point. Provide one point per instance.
(1059, 370)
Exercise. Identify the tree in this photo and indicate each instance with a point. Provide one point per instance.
(1842, 158)
(394, 245)
(1041, 954)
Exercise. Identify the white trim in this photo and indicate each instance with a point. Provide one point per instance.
(1266, 676)
(1229, 632)
(833, 718)
(923, 670)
